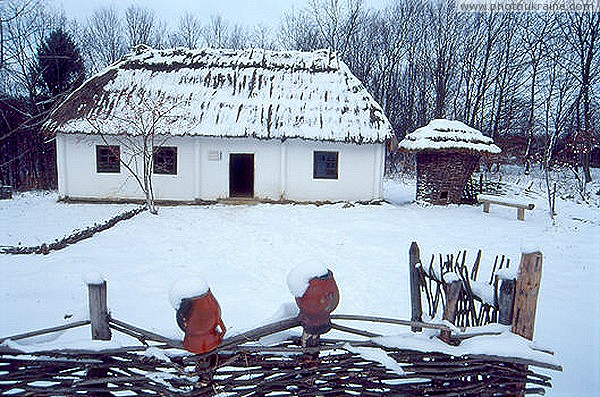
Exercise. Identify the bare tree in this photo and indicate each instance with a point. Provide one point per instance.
(337, 21)
(215, 34)
(24, 34)
(442, 49)
(140, 25)
(11, 10)
(104, 39)
(143, 126)
(556, 92)
(262, 37)
(535, 35)
(160, 37)
(189, 33)
(237, 38)
(580, 33)
(298, 32)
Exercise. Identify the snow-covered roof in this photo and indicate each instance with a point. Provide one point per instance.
(229, 93)
(442, 134)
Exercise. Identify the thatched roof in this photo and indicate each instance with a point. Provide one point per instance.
(229, 93)
(448, 135)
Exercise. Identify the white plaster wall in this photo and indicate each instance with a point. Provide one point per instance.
(78, 177)
(281, 170)
(214, 174)
(359, 172)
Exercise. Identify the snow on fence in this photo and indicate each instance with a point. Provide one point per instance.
(451, 291)
(75, 237)
(363, 362)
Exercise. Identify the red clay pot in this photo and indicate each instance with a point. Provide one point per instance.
(204, 328)
(320, 299)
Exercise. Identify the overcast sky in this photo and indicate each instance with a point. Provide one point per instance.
(243, 12)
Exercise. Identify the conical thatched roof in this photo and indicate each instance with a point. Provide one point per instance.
(448, 135)
(230, 93)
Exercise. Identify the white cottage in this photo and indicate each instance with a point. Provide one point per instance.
(253, 123)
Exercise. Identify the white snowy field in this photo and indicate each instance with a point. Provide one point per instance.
(245, 253)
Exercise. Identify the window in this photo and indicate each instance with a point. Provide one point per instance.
(325, 165)
(165, 160)
(108, 159)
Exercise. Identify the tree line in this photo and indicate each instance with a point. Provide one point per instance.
(528, 80)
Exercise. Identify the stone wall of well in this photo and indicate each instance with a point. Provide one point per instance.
(442, 176)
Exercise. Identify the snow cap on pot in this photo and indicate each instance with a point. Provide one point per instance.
(198, 314)
(317, 295)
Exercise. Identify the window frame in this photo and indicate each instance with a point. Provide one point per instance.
(326, 164)
(159, 167)
(108, 159)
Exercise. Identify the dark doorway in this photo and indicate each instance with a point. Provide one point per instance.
(241, 175)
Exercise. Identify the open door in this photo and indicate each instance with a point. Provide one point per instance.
(241, 175)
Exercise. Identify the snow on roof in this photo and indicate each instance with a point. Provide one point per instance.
(229, 93)
(442, 134)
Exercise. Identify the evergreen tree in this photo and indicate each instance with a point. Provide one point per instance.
(60, 64)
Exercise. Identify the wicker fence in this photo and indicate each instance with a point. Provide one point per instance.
(349, 363)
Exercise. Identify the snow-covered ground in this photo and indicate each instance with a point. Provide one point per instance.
(33, 218)
(245, 253)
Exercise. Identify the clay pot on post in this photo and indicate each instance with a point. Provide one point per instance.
(200, 318)
(320, 299)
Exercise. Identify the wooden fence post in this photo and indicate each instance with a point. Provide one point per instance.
(98, 310)
(521, 214)
(486, 207)
(415, 290)
(452, 289)
(526, 294)
(506, 301)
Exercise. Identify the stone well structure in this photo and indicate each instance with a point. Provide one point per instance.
(447, 153)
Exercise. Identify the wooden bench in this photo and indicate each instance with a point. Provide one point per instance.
(487, 200)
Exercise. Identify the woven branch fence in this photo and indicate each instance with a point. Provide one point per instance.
(245, 365)
(331, 369)
(477, 301)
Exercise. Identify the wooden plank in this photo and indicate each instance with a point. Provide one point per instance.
(99, 311)
(355, 331)
(506, 301)
(453, 290)
(148, 334)
(389, 321)
(526, 294)
(415, 290)
(257, 333)
(500, 201)
(46, 330)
